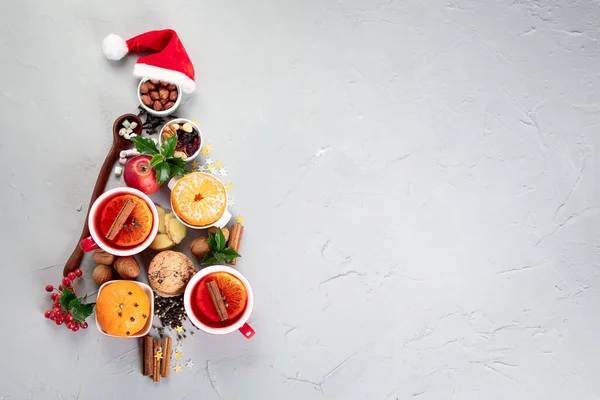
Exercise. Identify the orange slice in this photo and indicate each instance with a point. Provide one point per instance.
(137, 227)
(199, 199)
(232, 288)
(122, 308)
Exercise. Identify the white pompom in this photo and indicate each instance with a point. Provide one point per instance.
(114, 47)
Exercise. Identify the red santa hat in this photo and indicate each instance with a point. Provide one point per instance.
(170, 62)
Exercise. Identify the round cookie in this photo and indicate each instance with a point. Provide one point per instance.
(169, 273)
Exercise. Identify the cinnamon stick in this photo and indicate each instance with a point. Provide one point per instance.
(235, 238)
(166, 361)
(118, 223)
(148, 364)
(155, 362)
(217, 299)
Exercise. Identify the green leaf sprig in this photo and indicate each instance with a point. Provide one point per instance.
(164, 162)
(218, 253)
(73, 305)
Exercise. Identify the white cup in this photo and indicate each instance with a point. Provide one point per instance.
(241, 324)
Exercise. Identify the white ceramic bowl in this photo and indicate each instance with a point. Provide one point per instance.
(163, 113)
(187, 300)
(148, 325)
(220, 223)
(182, 121)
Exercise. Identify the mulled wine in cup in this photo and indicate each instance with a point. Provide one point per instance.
(122, 221)
(219, 300)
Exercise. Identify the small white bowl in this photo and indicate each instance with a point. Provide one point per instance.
(182, 121)
(163, 113)
(148, 325)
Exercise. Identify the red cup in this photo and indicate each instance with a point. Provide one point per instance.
(97, 239)
(241, 323)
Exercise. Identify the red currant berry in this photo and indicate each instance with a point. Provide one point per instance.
(47, 314)
(85, 325)
(56, 310)
(78, 272)
(60, 287)
(54, 296)
(59, 321)
(68, 318)
(52, 316)
(49, 288)
(75, 328)
(56, 303)
(72, 276)
(66, 282)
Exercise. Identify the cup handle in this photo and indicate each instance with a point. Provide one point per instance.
(88, 244)
(172, 182)
(247, 331)
(221, 222)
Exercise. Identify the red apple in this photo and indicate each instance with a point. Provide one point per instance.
(139, 175)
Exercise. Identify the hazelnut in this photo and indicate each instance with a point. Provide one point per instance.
(171, 87)
(163, 101)
(151, 86)
(154, 95)
(163, 93)
(154, 81)
(147, 100)
(144, 88)
(173, 95)
(164, 83)
(169, 105)
(157, 106)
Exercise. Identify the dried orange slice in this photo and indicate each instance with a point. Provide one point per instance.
(122, 308)
(137, 227)
(232, 288)
(199, 199)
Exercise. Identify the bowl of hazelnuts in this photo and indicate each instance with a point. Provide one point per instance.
(159, 98)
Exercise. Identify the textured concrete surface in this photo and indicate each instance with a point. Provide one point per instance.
(418, 182)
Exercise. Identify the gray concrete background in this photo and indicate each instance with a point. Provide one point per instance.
(418, 182)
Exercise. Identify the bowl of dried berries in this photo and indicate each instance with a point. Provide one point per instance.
(159, 98)
(189, 137)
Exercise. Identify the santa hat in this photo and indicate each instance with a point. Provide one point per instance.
(170, 62)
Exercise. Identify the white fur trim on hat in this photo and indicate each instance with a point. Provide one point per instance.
(150, 71)
(114, 47)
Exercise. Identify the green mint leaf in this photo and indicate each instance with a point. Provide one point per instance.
(144, 145)
(82, 311)
(209, 259)
(177, 166)
(220, 239)
(212, 243)
(156, 159)
(66, 298)
(220, 257)
(230, 254)
(162, 173)
(167, 147)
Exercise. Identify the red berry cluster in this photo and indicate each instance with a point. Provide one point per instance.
(57, 314)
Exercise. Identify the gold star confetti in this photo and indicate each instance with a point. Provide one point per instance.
(195, 165)
(177, 368)
(211, 168)
(195, 121)
(219, 164)
(158, 355)
(178, 355)
(240, 219)
(179, 329)
(207, 149)
(229, 186)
